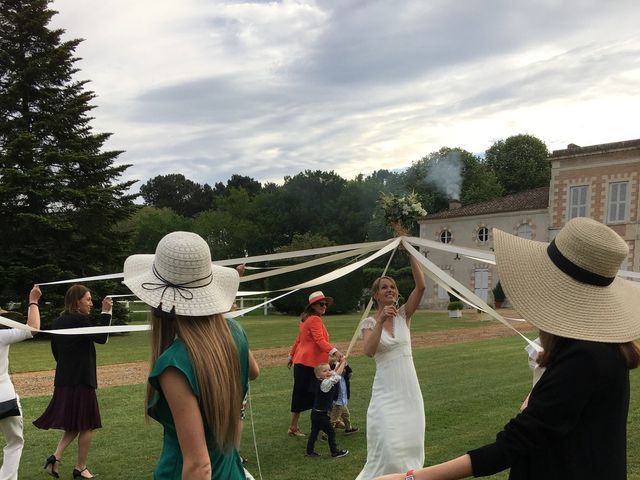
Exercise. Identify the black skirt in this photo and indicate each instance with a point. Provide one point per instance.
(304, 383)
(73, 409)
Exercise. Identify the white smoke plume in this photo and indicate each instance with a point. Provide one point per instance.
(445, 173)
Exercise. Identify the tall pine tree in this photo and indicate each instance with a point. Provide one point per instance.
(60, 194)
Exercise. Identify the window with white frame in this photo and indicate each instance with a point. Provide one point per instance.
(618, 200)
(578, 201)
(525, 231)
(483, 235)
(445, 236)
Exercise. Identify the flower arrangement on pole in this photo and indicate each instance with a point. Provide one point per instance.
(401, 211)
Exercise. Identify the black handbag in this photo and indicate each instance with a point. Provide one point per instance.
(9, 408)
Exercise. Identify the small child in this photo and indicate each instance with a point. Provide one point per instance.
(340, 411)
(326, 390)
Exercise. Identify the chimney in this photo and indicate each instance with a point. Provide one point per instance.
(454, 204)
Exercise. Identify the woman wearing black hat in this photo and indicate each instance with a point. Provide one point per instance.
(574, 425)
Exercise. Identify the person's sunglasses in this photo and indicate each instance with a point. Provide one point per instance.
(323, 304)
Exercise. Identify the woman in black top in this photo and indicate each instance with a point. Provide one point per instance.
(574, 426)
(74, 405)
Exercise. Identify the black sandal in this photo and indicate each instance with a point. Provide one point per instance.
(50, 466)
(78, 473)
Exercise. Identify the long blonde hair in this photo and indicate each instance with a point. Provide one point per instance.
(215, 360)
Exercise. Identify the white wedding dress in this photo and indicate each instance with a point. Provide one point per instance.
(395, 418)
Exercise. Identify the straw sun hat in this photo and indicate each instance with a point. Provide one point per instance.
(180, 275)
(570, 287)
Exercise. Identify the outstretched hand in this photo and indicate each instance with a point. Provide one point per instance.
(107, 304)
(341, 364)
(35, 294)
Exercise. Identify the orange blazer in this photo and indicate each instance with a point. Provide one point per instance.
(312, 346)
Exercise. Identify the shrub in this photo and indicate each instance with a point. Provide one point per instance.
(455, 305)
(498, 293)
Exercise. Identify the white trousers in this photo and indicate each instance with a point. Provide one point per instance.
(11, 428)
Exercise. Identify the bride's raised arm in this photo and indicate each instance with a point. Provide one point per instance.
(418, 290)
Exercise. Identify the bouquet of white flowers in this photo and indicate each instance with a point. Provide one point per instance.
(401, 211)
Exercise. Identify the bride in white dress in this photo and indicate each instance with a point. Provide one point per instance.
(395, 418)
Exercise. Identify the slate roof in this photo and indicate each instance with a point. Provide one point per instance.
(535, 199)
(576, 150)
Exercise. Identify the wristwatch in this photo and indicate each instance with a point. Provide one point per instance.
(409, 475)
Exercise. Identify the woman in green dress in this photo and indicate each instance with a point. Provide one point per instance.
(199, 359)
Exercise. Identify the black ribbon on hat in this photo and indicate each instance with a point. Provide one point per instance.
(574, 271)
(183, 289)
(159, 313)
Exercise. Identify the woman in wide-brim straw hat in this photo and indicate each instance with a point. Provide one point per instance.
(199, 359)
(311, 348)
(574, 426)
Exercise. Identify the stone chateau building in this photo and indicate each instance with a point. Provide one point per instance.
(597, 181)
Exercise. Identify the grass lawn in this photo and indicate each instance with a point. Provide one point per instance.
(470, 391)
(263, 332)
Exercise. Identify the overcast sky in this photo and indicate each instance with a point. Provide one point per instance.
(210, 88)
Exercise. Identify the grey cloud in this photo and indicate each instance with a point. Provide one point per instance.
(374, 42)
(577, 72)
(336, 102)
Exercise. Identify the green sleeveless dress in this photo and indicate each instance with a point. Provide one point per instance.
(169, 466)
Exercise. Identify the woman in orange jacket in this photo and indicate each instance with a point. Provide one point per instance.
(311, 348)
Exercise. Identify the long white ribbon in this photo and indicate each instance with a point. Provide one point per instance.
(340, 252)
(476, 253)
(350, 250)
(328, 277)
(366, 246)
(333, 275)
(311, 263)
(95, 278)
(298, 253)
(450, 283)
(76, 331)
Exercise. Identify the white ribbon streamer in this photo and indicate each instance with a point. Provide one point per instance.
(95, 278)
(310, 263)
(461, 291)
(476, 253)
(370, 246)
(365, 314)
(76, 331)
(238, 313)
(297, 253)
(338, 253)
